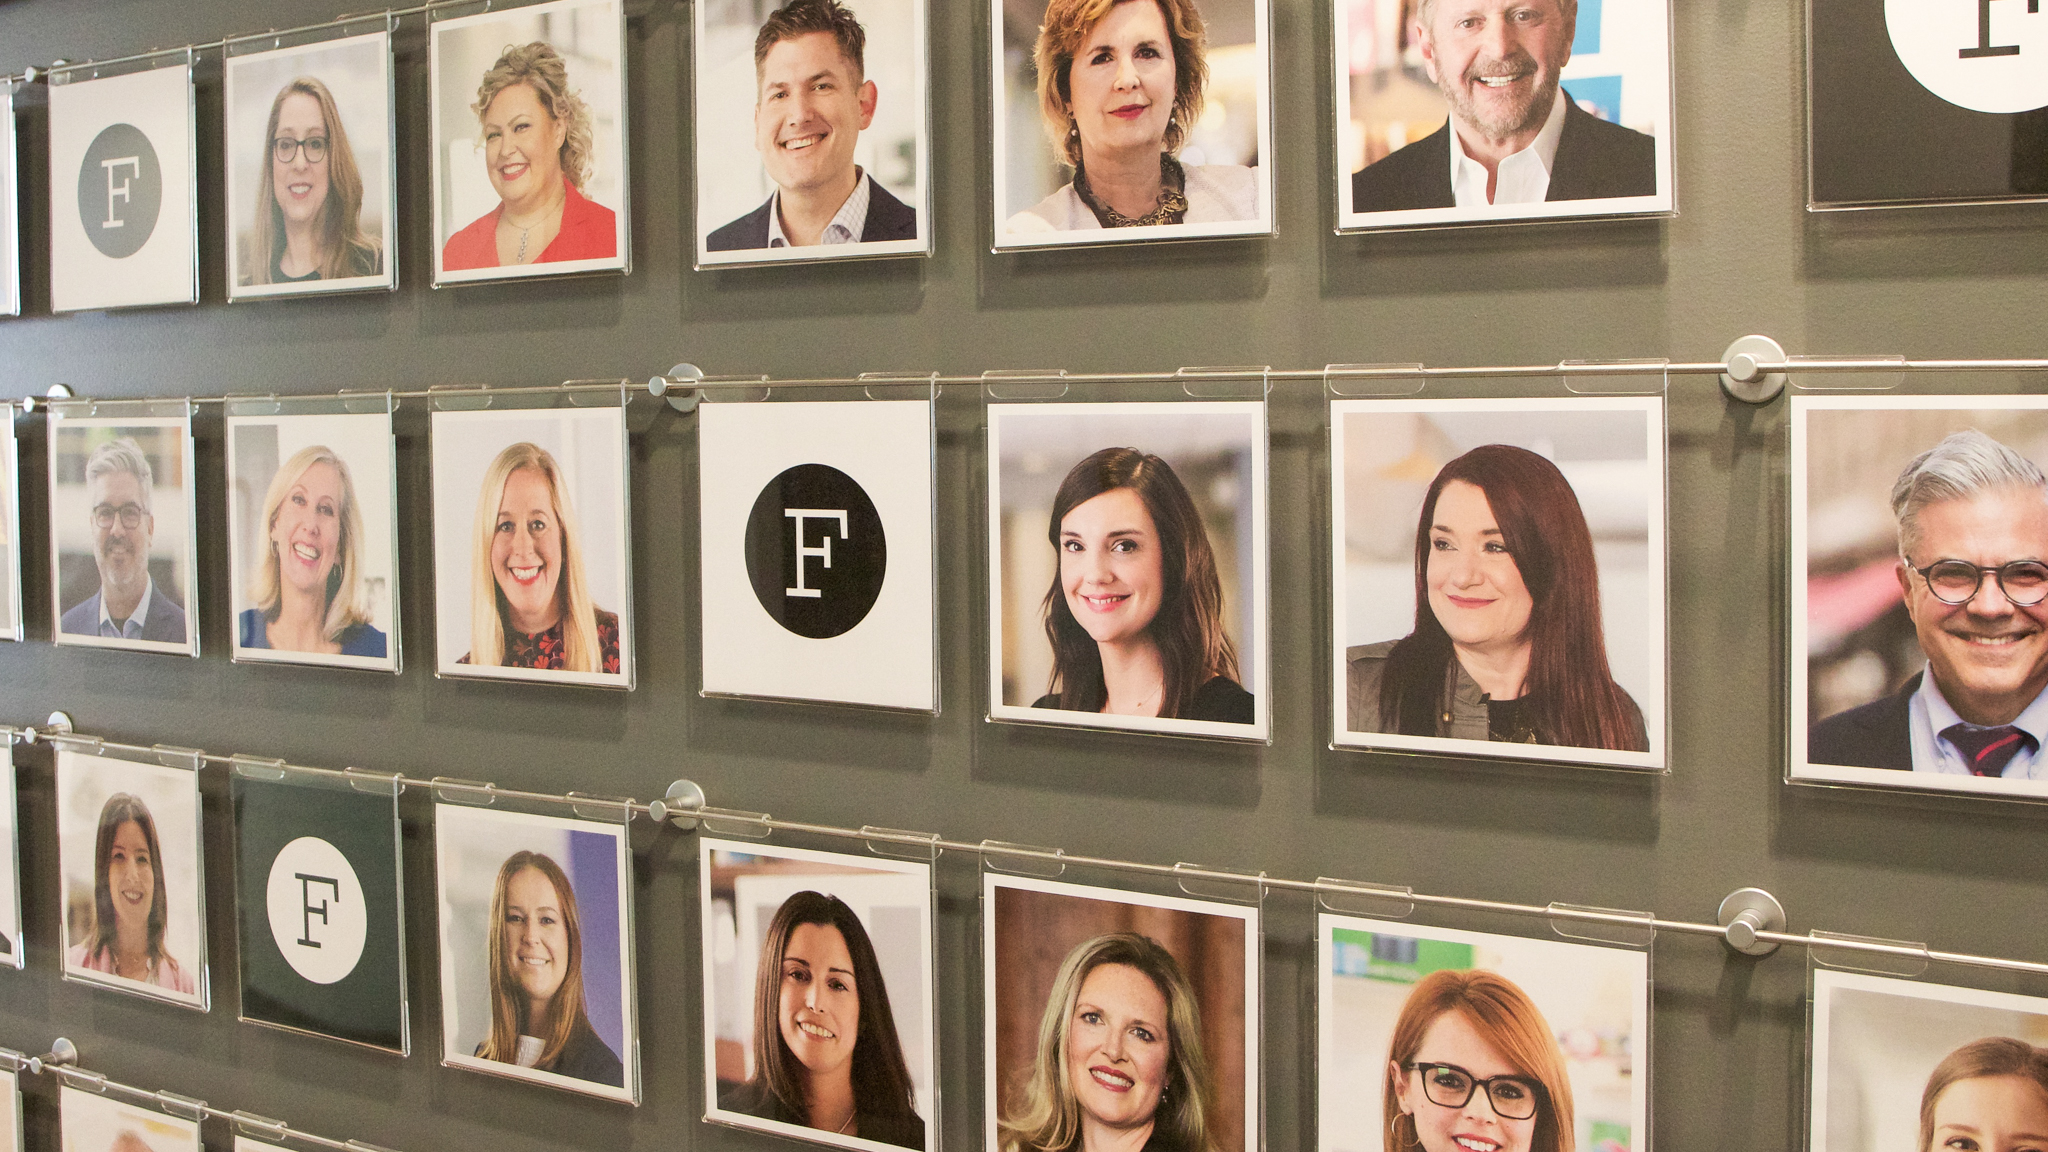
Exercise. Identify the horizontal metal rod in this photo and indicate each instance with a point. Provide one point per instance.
(77, 1077)
(1896, 364)
(629, 808)
(209, 45)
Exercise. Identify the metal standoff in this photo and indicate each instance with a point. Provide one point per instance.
(679, 805)
(62, 1053)
(59, 722)
(1745, 377)
(1745, 914)
(678, 386)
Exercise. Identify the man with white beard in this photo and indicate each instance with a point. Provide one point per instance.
(1519, 137)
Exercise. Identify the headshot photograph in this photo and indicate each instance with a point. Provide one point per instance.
(1127, 566)
(818, 995)
(122, 551)
(1116, 1019)
(10, 532)
(1130, 120)
(313, 544)
(123, 211)
(10, 214)
(1920, 592)
(816, 551)
(1911, 1066)
(12, 949)
(310, 189)
(536, 922)
(529, 130)
(319, 922)
(93, 1122)
(133, 882)
(1487, 111)
(1439, 1040)
(1499, 578)
(813, 141)
(532, 565)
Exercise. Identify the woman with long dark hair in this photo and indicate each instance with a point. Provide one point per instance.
(826, 1053)
(536, 961)
(1135, 611)
(1508, 644)
(125, 936)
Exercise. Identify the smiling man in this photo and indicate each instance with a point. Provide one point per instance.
(811, 102)
(1514, 136)
(1973, 567)
(127, 605)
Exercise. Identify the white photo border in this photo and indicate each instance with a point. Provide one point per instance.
(1252, 917)
(706, 845)
(191, 223)
(628, 977)
(58, 421)
(12, 860)
(1656, 711)
(11, 567)
(622, 261)
(233, 179)
(1257, 621)
(10, 208)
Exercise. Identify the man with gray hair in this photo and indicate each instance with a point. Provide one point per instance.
(128, 605)
(1973, 567)
(1513, 136)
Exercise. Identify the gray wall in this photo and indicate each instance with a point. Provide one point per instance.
(1743, 256)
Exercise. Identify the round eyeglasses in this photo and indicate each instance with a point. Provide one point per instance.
(2024, 582)
(129, 515)
(1512, 1097)
(284, 148)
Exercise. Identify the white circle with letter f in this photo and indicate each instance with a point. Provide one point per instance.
(316, 910)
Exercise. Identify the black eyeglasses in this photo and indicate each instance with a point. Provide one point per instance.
(2024, 582)
(130, 515)
(284, 148)
(1512, 1097)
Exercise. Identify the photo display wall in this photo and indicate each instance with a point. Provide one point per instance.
(1499, 568)
(123, 191)
(819, 985)
(816, 538)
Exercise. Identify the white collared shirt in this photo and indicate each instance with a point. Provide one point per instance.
(132, 627)
(846, 225)
(1524, 176)
(1929, 715)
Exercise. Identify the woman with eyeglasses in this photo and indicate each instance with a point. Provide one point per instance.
(1473, 1064)
(309, 200)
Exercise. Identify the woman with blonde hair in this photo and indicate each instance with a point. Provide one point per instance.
(1472, 1060)
(1120, 86)
(309, 196)
(536, 961)
(1120, 1063)
(530, 604)
(307, 588)
(537, 139)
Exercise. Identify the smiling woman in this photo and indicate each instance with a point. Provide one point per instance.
(530, 601)
(125, 936)
(1472, 1064)
(536, 968)
(309, 206)
(307, 588)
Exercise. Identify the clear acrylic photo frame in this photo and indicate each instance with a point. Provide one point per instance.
(11, 567)
(1220, 393)
(10, 808)
(1885, 386)
(892, 858)
(446, 401)
(277, 773)
(1184, 888)
(1365, 388)
(241, 411)
(178, 1117)
(279, 46)
(706, 260)
(168, 759)
(10, 205)
(586, 810)
(150, 62)
(1347, 905)
(67, 413)
(872, 388)
(1907, 970)
(1662, 205)
(455, 13)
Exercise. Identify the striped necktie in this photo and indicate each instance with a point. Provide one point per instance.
(1987, 750)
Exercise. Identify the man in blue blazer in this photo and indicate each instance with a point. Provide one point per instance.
(128, 605)
(812, 101)
(1519, 137)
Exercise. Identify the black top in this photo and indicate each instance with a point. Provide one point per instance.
(361, 263)
(754, 1099)
(1594, 160)
(586, 1057)
(1877, 735)
(1510, 721)
(888, 219)
(1220, 701)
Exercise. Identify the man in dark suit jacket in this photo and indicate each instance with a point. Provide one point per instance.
(812, 100)
(1497, 63)
(1973, 535)
(128, 605)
